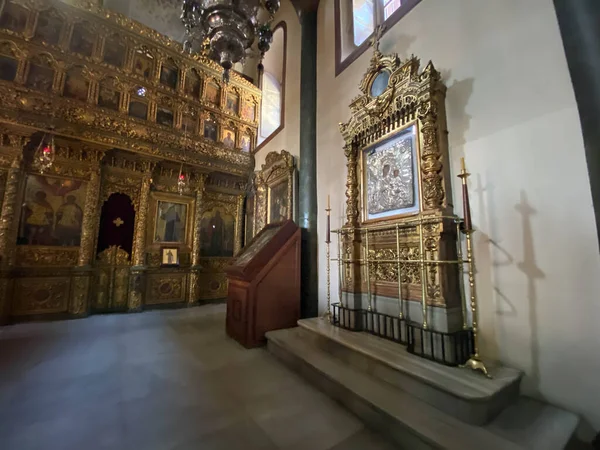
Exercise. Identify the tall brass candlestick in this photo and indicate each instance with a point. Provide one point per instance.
(328, 256)
(474, 361)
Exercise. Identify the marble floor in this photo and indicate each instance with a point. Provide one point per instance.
(159, 380)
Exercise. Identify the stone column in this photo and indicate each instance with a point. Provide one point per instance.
(8, 226)
(137, 279)
(578, 23)
(307, 188)
(193, 292)
(239, 238)
(82, 274)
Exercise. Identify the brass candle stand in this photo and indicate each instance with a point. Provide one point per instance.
(474, 361)
(327, 314)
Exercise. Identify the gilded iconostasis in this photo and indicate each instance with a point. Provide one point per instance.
(124, 165)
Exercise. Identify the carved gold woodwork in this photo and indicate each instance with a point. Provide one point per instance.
(110, 123)
(150, 226)
(111, 280)
(413, 97)
(35, 256)
(212, 280)
(279, 167)
(85, 104)
(41, 295)
(166, 288)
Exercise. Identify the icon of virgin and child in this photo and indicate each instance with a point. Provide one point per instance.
(51, 215)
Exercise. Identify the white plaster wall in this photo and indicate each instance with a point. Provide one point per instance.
(288, 138)
(512, 115)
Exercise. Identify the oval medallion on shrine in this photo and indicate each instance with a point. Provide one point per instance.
(380, 83)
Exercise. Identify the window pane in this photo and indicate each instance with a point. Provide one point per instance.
(271, 106)
(389, 6)
(362, 16)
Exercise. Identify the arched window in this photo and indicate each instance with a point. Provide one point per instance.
(270, 115)
(363, 19)
(272, 111)
(356, 20)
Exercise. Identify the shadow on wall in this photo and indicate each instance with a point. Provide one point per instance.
(399, 44)
(533, 273)
(457, 99)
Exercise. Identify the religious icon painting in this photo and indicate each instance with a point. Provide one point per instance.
(210, 129)
(168, 76)
(8, 68)
(108, 98)
(189, 124)
(142, 64)
(170, 222)
(389, 177)
(14, 17)
(49, 26)
(217, 233)
(169, 256)
(114, 51)
(232, 103)
(246, 143)
(82, 40)
(138, 109)
(212, 93)
(40, 78)
(193, 84)
(164, 116)
(76, 86)
(52, 213)
(228, 137)
(278, 202)
(248, 111)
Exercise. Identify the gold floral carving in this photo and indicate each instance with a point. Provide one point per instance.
(239, 238)
(41, 295)
(79, 295)
(114, 127)
(163, 289)
(114, 256)
(193, 285)
(141, 222)
(410, 97)
(90, 218)
(8, 219)
(33, 256)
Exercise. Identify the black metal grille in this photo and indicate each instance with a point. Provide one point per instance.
(451, 349)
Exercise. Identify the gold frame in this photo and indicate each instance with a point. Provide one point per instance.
(270, 187)
(156, 197)
(362, 173)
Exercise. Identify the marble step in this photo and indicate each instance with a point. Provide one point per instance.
(464, 394)
(407, 420)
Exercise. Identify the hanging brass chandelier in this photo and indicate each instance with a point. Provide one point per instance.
(225, 30)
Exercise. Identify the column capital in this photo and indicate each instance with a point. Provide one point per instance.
(305, 6)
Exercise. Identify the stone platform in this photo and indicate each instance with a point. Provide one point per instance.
(417, 403)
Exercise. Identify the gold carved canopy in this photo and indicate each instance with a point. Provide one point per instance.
(411, 97)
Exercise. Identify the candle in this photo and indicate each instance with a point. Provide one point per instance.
(462, 165)
(328, 203)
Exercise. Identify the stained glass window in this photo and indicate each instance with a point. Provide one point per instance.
(363, 19)
(270, 117)
(389, 6)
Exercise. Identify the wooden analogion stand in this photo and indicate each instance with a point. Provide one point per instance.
(264, 285)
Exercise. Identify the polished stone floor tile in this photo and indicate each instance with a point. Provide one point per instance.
(161, 380)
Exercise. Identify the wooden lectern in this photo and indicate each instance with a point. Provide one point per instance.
(264, 285)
